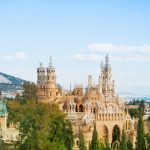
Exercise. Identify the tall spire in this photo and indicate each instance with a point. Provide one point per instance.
(107, 61)
(50, 62)
(70, 86)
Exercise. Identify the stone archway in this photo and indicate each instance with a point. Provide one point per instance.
(104, 132)
(116, 134)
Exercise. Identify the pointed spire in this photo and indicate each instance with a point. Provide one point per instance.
(50, 66)
(40, 64)
(107, 60)
(70, 87)
(50, 62)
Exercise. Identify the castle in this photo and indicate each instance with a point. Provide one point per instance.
(98, 105)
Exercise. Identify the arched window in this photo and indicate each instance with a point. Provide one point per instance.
(104, 132)
(81, 108)
(94, 110)
(115, 134)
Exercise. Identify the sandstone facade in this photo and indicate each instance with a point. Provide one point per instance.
(99, 104)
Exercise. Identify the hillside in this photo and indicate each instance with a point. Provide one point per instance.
(10, 83)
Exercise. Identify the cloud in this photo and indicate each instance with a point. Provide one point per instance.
(7, 58)
(109, 47)
(20, 55)
(118, 52)
(97, 58)
(17, 56)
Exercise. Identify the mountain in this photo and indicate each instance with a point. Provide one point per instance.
(10, 83)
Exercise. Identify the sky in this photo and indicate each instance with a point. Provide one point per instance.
(77, 34)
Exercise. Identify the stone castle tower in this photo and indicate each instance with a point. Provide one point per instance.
(46, 82)
(100, 105)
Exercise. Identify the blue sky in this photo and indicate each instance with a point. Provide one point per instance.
(77, 34)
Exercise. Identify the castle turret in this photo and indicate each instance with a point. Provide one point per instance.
(40, 75)
(51, 76)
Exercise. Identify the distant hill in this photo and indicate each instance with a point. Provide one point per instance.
(10, 83)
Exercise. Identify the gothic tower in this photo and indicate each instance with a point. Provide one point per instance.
(106, 84)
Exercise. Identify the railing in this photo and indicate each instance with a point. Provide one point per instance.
(74, 115)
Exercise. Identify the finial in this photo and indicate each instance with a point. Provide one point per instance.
(50, 62)
(40, 64)
(70, 86)
(107, 59)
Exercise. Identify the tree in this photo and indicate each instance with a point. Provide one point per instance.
(30, 92)
(94, 145)
(142, 106)
(148, 141)
(133, 112)
(42, 126)
(123, 142)
(129, 145)
(107, 146)
(140, 139)
(81, 142)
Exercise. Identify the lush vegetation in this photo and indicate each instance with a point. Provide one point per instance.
(133, 112)
(29, 93)
(82, 142)
(42, 126)
(94, 145)
(140, 140)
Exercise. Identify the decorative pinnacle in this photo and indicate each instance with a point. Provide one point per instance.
(107, 60)
(40, 64)
(50, 62)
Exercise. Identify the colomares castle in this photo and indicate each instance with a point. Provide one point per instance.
(99, 105)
